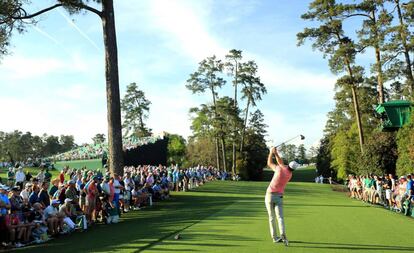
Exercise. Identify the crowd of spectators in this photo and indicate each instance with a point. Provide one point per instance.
(97, 151)
(37, 208)
(394, 193)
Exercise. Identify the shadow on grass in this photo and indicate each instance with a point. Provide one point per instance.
(147, 228)
(349, 246)
(323, 205)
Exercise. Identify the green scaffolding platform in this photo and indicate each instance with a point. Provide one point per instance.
(394, 114)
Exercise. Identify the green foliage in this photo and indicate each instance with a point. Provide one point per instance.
(288, 152)
(135, 109)
(19, 146)
(405, 142)
(323, 157)
(98, 139)
(345, 152)
(201, 151)
(380, 154)
(256, 151)
(176, 149)
(301, 154)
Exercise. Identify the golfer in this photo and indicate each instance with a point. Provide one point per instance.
(274, 194)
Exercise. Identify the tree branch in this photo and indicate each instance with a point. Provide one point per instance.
(36, 13)
(88, 8)
(25, 16)
(356, 15)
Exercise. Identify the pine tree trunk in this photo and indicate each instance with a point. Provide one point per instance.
(379, 76)
(223, 149)
(216, 138)
(234, 158)
(115, 157)
(408, 69)
(217, 153)
(356, 106)
(358, 118)
(244, 126)
(354, 98)
(380, 87)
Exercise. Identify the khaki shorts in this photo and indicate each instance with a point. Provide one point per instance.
(91, 203)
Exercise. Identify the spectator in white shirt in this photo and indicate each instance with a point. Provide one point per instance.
(20, 177)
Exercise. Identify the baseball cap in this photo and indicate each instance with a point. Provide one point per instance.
(293, 165)
(55, 201)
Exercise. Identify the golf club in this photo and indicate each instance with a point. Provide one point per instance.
(302, 137)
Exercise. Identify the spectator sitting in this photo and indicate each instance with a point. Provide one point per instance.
(110, 213)
(50, 215)
(68, 213)
(33, 197)
(43, 197)
(55, 186)
(26, 192)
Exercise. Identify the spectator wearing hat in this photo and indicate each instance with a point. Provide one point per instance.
(68, 213)
(20, 177)
(25, 193)
(50, 215)
(16, 201)
(4, 208)
(10, 177)
(71, 192)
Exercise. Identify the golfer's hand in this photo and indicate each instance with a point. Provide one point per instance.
(272, 150)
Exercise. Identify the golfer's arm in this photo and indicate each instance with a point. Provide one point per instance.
(279, 160)
(270, 162)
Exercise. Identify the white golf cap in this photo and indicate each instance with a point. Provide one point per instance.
(293, 165)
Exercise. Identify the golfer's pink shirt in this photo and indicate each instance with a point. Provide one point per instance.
(280, 178)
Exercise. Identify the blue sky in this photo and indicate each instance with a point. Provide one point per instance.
(53, 81)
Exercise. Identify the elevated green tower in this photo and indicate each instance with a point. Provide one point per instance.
(394, 114)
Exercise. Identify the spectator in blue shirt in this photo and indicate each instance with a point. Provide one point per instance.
(33, 197)
(410, 188)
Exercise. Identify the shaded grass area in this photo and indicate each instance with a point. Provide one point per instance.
(231, 217)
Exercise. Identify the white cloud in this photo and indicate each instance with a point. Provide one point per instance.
(52, 117)
(183, 21)
(19, 67)
(169, 109)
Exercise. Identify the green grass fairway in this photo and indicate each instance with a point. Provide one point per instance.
(33, 171)
(90, 164)
(231, 217)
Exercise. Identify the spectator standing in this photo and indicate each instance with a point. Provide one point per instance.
(10, 177)
(20, 177)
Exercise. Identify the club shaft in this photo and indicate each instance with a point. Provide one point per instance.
(287, 141)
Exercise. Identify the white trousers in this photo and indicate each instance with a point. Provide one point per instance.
(274, 206)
